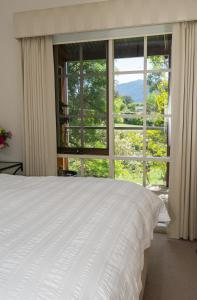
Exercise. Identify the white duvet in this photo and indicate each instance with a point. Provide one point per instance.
(73, 238)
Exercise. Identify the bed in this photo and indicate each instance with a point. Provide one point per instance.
(74, 238)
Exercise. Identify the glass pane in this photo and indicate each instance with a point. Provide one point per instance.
(70, 164)
(72, 67)
(96, 167)
(81, 96)
(156, 120)
(85, 120)
(130, 122)
(129, 170)
(156, 173)
(94, 57)
(95, 138)
(95, 50)
(157, 142)
(129, 93)
(73, 121)
(129, 54)
(72, 95)
(158, 93)
(68, 58)
(94, 66)
(91, 118)
(95, 93)
(159, 51)
(68, 95)
(74, 164)
(128, 142)
(72, 138)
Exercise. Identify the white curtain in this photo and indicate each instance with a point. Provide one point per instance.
(183, 172)
(39, 107)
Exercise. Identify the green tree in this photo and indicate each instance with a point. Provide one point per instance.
(157, 102)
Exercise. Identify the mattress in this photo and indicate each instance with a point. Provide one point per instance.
(73, 238)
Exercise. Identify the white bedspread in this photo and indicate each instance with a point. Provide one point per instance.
(73, 238)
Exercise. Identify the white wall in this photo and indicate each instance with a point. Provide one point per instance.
(10, 75)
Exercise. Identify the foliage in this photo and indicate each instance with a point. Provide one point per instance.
(129, 170)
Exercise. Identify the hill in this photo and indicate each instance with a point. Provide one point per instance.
(134, 89)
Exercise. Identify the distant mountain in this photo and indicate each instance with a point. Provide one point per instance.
(134, 89)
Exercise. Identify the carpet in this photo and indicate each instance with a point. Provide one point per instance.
(172, 271)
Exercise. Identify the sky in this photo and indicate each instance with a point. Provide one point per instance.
(129, 64)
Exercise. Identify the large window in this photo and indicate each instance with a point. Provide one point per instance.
(113, 104)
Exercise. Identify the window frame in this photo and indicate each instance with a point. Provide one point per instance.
(81, 150)
(111, 115)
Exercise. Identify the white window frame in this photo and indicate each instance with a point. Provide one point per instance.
(110, 36)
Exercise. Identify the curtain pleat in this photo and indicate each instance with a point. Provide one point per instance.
(183, 170)
(39, 107)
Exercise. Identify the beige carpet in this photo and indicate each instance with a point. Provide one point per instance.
(172, 273)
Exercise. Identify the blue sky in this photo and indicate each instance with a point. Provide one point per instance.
(129, 64)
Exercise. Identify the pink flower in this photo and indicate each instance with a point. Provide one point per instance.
(2, 140)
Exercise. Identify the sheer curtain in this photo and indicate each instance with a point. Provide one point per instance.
(38, 107)
(183, 173)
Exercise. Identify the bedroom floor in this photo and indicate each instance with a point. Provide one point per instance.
(172, 271)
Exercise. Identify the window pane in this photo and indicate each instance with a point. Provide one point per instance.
(71, 164)
(156, 142)
(95, 93)
(94, 66)
(72, 67)
(129, 170)
(158, 93)
(96, 50)
(129, 93)
(156, 120)
(96, 167)
(68, 58)
(95, 120)
(130, 122)
(72, 95)
(94, 57)
(82, 97)
(71, 138)
(69, 96)
(156, 173)
(95, 138)
(74, 164)
(91, 120)
(128, 142)
(73, 121)
(159, 51)
(129, 54)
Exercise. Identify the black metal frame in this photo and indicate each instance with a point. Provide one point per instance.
(17, 165)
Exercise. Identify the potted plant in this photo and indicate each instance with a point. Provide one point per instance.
(4, 136)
